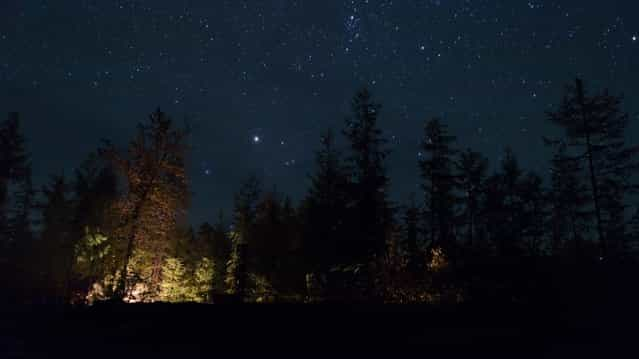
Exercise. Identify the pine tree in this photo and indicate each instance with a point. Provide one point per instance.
(244, 215)
(595, 127)
(568, 201)
(439, 184)
(412, 229)
(471, 167)
(534, 211)
(370, 213)
(502, 206)
(14, 168)
(157, 192)
(58, 241)
(324, 208)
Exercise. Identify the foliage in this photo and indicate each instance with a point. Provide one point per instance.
(157, 192)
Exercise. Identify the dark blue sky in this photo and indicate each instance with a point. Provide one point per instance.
(284, 71)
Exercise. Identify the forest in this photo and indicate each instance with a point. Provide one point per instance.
(117, 229)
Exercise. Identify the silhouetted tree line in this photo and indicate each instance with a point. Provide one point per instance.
(117, 230)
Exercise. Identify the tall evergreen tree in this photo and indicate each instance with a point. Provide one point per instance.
(324, 208)
(412, 230)
(14, 169)
(57, 239)
(502, 206)
(157, 191)
(533, 212)
(568, 201)
(595, 126)
(439, 184)
(370, 212)
(471, 167)
(244, 215)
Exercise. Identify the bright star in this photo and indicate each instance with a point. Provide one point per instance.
(256, 139)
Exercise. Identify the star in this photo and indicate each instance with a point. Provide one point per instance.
(256, 139)
(634, 38)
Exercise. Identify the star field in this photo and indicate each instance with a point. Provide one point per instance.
(260, 80)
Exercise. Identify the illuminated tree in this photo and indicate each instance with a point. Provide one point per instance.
(218, 246)
(94, 220)
(155, 198)
(173, 287)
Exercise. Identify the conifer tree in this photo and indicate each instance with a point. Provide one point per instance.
(412, 229)
(471, 167)
(157, 191)
(533, 212)
(324, 208)
(14, 168)
(439, 184)
(370, 213)
(595, 126)
(568, 201)
(502, 206)
(243, 229)
(58, 242)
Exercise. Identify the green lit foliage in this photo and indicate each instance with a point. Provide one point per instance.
(172, 288)
(179, 284)
(156, 196)
(91, 253)
(261, 290)
(203, 277)
(234, 266)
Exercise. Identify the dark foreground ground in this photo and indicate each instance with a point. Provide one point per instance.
(597, 330)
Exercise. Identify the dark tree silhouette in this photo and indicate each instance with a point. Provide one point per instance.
(370, 211)
(595, 127)
(244, 215)
(471, 168)
(412, 216)
(502, 206)
(533, 212)
(14, 170)
(439, 184)
(57, 238)
(324, 208)
(569, 202)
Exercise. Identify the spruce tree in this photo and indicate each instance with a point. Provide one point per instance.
(244, 214)
(471, 168)
(370, 210)
(412, 230)
(14, 171)
(439, 184)
(324, 208)
(57, 238)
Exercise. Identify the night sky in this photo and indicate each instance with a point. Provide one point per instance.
(259, 80)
